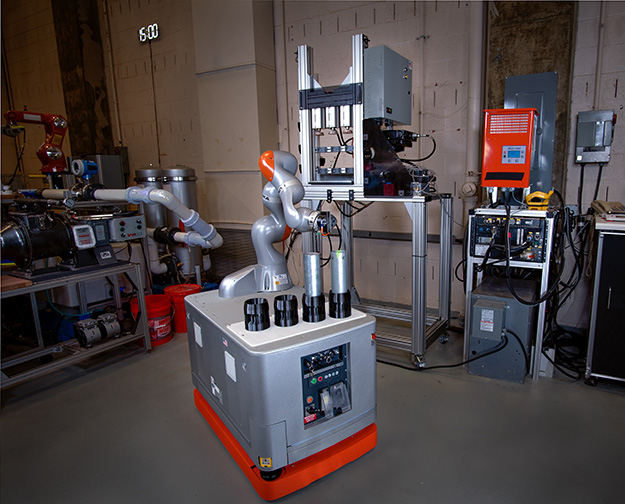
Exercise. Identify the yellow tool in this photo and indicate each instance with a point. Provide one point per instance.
(538, 200)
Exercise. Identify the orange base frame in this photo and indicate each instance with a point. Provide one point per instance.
(299, 474)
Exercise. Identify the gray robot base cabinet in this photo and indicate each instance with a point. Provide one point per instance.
(284, 393)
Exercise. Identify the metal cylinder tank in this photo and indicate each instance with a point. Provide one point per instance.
(180, 181)
(155, 215)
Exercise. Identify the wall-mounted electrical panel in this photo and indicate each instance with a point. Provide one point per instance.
(595, 129)
(388, 84)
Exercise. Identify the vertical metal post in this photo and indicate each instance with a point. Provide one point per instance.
(418, 212)
(306, 137)
(544, 286)
(347, 239)
(35, 310)
(143, 323)
(444, 285)
(468, 285)
(117, 296)
(82, 297)
(358, 58)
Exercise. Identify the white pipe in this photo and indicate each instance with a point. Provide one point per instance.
(206, 262)
(156, 266)
(599, 68)
(474, 112)
(55, 194)
(189, 217)
(110, 194)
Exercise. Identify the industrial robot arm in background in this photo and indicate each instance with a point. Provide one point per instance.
(50, 152)
(280, 195)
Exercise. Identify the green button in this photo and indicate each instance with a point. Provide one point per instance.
(313, 381)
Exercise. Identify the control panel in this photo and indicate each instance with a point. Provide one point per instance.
(325, 384)
(527, 237)
(127, 228)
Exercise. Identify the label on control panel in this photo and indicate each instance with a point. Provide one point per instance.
(487, 320)
(231, 367)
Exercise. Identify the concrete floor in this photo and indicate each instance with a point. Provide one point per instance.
(125, 430)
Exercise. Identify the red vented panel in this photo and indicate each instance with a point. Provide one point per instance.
(508, 147)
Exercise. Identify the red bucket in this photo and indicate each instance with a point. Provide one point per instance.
(158, 307)
(177, 293)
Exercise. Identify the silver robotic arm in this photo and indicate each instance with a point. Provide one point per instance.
(279, 168)
(280, 195)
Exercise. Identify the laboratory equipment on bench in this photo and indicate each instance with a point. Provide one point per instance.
(285, 379)
(350, 138)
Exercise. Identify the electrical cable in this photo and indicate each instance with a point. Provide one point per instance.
(527, 359)
(598, 181)
(500, 346)
(426, 157)
(19, 160)
(511, 288)
(62, 312)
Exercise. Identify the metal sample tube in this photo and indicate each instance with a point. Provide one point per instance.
(313, 300)
(340, 268)
(312, 275)
(340, 297)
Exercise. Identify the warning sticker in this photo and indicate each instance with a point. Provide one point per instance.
(280, 279)
(265, 461)
(487, 320)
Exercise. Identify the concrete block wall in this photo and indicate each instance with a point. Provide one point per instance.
(155, 84)
(31, 68)
(611, 81)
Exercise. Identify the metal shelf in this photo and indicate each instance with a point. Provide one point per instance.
(74, 352)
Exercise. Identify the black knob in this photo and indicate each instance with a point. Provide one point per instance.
(314, 308)
(340, 305)
(256, 311)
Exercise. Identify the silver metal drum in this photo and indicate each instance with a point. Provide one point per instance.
(180, 181)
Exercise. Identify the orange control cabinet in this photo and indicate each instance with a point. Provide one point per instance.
(508, 147)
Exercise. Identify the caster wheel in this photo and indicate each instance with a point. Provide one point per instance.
(271, 475)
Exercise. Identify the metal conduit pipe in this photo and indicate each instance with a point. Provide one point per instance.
(474, 112)
(596, 105)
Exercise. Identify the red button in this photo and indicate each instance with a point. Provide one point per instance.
(309, 399)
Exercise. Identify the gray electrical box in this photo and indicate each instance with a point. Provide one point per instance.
(594, 136)
(493, 311)
(387, 85)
